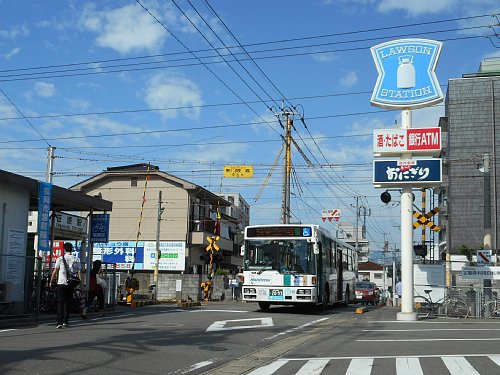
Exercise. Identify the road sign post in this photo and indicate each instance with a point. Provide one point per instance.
(407, 81)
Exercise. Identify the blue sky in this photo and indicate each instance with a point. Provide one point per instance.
(111, 83)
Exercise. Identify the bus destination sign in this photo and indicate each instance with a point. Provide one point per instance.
(279, 231)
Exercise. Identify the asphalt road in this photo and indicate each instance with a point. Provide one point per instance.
(237, 338)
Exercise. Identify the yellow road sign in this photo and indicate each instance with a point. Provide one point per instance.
(425, 220)
(238, 171)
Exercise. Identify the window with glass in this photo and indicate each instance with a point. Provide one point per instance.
(285, 256)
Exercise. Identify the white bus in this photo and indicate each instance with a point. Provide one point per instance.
(296, 265)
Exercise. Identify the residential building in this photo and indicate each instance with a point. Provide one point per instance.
(152, 207)
(376, 273)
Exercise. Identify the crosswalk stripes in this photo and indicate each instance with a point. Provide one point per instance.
(455, 364)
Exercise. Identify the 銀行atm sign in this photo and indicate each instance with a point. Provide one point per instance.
(416, 140)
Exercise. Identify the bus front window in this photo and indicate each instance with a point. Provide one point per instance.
(285, 256)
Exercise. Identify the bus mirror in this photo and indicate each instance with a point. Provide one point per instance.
(316, 248)
(242, 251)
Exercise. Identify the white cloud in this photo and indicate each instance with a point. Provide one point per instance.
(417, 7)
(126, 29)
(349, 79)
(13, 52)
(14, 32)
(324, 57)
(166, 90)
(45, 90)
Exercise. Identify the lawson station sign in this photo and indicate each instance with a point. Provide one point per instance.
(407, 78)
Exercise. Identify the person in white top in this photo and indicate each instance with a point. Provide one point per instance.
(64, 291)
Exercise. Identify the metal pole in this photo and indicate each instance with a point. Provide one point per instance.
(487, 215)
(158, 251)
(407, 312)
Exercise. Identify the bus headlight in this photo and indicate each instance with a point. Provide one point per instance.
(304, 291)
(250, 290)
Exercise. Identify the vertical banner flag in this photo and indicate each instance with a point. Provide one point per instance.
(44, 204)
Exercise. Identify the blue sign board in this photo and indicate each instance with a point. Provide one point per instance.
(99, 228)
(44, 203)
(419, 172)
(121, 253)
(407, 78)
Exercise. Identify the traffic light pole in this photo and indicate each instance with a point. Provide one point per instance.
(407, 312)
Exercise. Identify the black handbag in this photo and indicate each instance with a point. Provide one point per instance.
(72, 280)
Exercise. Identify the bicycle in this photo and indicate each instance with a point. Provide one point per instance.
(47, 301)
(453, 307)
(491, 309)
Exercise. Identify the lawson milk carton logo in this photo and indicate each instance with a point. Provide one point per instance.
(407, 76)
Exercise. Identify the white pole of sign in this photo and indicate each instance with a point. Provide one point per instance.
(407, 312)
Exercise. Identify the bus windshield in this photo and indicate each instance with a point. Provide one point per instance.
(285, 256)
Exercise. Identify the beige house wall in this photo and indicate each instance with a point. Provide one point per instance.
(127, 203)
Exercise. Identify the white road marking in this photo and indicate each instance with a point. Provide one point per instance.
(7, 330)
(459, 366)
(197, 366)
(221, 325)
(269, 369)
(431, 329)
(427, 340)
(313, 367)
(295, 329)
(495, 358)
(360, 366)
(408, 366)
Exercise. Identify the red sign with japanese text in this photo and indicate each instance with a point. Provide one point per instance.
(418, 140)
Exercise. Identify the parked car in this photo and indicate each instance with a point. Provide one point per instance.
(367, 292)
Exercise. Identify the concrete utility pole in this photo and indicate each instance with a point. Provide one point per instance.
(50, 164)
(287, 161)
(407, 312)
(487, 201)
(158, 251)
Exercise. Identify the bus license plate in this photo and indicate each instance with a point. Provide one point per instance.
(276, 293)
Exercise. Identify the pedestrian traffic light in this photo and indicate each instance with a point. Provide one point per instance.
(385, 197)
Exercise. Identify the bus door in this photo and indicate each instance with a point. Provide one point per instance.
(320, 272)
(340, 274)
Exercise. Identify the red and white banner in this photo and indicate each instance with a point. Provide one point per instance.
(418, 140)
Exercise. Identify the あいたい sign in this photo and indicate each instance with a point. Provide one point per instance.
(407, 76)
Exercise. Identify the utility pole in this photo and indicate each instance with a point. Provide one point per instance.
(158, 251)
(487, 213)
(386, 248)
(50, 164)
(357, 223)
(287, 114)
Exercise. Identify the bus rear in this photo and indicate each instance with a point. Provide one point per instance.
(280, 265)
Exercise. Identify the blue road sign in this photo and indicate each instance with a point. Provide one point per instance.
(99, 228)
(44, 203)
(407, 78)
(418, 172)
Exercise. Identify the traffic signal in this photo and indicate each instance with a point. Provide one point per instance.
(385, 197)
(420, 250)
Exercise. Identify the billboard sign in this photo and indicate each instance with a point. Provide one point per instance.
(419, 172)
(173, 254)
(406, 74)
(416, 140)
(44, 204)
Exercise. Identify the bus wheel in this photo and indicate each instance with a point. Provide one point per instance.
(264, 306)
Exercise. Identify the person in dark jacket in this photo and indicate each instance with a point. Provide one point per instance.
(94, 289)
